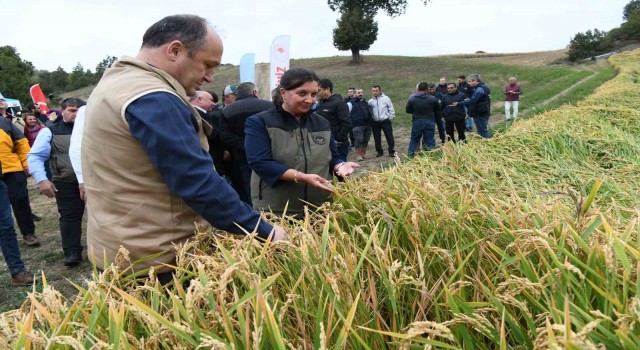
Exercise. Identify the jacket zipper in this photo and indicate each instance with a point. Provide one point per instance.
(304, 154)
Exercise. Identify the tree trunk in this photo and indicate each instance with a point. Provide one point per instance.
(355, 56)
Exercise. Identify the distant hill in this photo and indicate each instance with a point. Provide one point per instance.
(398, 75)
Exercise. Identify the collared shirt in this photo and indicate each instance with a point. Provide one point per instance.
(40, 153)
(76, 143)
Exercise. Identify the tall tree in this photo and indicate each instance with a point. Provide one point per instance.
(356, 29)
(355, 32)
(80, 78)
(631, 7)
(104, 65)
(15, 74)
(587, 44)
(59, 78)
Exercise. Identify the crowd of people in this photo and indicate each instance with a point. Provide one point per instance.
(150, 152)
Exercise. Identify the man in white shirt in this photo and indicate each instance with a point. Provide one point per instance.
(382, 112)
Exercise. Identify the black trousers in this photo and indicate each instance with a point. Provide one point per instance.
(383, 126)
(460, 127)
(71, 210)
(19, 198)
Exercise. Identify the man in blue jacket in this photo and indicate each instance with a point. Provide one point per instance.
(479, 105)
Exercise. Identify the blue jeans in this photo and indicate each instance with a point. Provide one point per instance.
(468, 123)
(8, 239)
(482, 124)
(422, 128)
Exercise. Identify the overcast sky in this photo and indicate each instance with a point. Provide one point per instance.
(52, 33)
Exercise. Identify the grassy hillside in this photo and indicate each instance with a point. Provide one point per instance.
(399, 75)
(529, 240)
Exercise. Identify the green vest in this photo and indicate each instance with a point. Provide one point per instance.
(59, 161)
(303, 146)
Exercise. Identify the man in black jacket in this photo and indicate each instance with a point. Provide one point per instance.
(204, 103)
(234, 117)
(361, 121)
(334, 109)
(425, 110)
(454, 116)
(433, 91)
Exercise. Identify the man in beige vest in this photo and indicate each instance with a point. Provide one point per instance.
(147, 171)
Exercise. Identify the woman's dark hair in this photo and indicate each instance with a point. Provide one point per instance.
(293, 79)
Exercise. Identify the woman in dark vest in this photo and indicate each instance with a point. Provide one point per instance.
(291, 151)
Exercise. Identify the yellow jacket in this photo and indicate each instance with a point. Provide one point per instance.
(14, 147)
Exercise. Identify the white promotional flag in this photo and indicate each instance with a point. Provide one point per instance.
(279, 59)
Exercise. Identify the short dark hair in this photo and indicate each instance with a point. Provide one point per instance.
(72, 102)
(377, 87)
(246, 88)
(422, 86)
(190, 30)
(431, 85)
(454, 85)
(215, 96)
(351, 88)
(326, 84)
(31, 106)
(462, 77)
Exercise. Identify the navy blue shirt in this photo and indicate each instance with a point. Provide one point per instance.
(167, 130)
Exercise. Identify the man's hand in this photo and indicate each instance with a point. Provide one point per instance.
(52, 116)
(83, 196)
(26, 171)
(279, 234)
(47, 188)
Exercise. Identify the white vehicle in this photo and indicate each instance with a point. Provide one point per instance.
(14, 105)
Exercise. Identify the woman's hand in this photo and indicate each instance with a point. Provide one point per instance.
(316, 181)
(347, 168)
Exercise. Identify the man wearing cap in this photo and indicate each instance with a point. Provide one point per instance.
(230, 94)
(146, 193)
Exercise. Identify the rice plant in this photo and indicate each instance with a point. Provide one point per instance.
(527, 241)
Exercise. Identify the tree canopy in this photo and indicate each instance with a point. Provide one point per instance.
(15, 74)
(632, 6)
(355, 32)
(357, 29)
